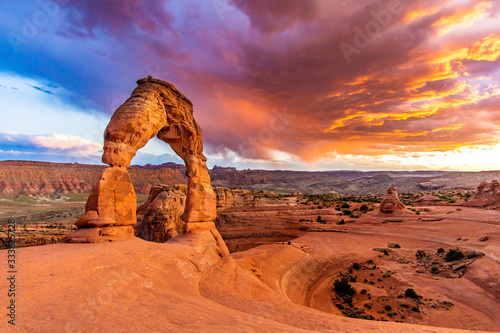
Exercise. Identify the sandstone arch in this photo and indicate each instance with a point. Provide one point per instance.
(155, 108)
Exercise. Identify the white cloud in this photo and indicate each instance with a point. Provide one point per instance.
(63, 142)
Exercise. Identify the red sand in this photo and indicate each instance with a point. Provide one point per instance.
(183, 285)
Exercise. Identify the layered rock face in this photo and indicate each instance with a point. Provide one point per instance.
(487, 195)
(160, 216)
(44, 178)
(155, 108)
(390, 202)
(243, 217)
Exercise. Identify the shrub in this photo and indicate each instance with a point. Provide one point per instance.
(319, 220)
(434, 270)
(411, 294)
(420, 254)
(415, 309)
(388, 307)
(393, 246)
(354, 313)
(341, 222)
(453, 255)
(356, 266)
(363, 208)
(383, 250)
(345, 205)
(343, 287)
(440, 250)
(347, 212)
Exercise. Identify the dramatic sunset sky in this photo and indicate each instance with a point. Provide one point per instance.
(276, 84)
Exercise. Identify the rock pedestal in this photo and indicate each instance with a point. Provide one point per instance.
(155, 108)
(390, 202)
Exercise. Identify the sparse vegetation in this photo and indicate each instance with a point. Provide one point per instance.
(320, 220)
(410, 293)
(453, 255)
(342, 287)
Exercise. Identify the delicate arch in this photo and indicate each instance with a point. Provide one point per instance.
(155, 108)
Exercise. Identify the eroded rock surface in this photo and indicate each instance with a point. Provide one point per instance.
(390, 202)
(160, 216)
(155, 108)
(487, 195)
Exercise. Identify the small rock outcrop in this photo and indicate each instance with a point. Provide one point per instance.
(160, 216)
(155, 108)
(487, 195)
(390, 202)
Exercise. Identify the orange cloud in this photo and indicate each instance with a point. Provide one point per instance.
(461, 18)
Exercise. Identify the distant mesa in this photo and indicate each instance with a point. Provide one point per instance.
(390, 202)
(487, 196)
(217, 168)
(169, 165)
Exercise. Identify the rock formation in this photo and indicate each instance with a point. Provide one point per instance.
(390, 202)
(44, 178)
(160, 216)
(155, 108)
(242, 216)
(487, 195)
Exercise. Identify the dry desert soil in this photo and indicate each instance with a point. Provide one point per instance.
(183, 285)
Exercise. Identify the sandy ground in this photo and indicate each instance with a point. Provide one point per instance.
(183, 285)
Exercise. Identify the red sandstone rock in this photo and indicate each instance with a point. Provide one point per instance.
(162, 213)
(155, 108)
(487, 195)
(390, 203)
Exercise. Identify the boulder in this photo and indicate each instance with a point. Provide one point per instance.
(162, 213)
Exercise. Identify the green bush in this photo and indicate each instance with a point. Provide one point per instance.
(347, 212)
(364, 208)
(320, 220)
(453, 255)
(343, 287)
(420, 254)
(356, 266)
(345, 205)
(411, 294)
(440, 250)
(434, 270)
